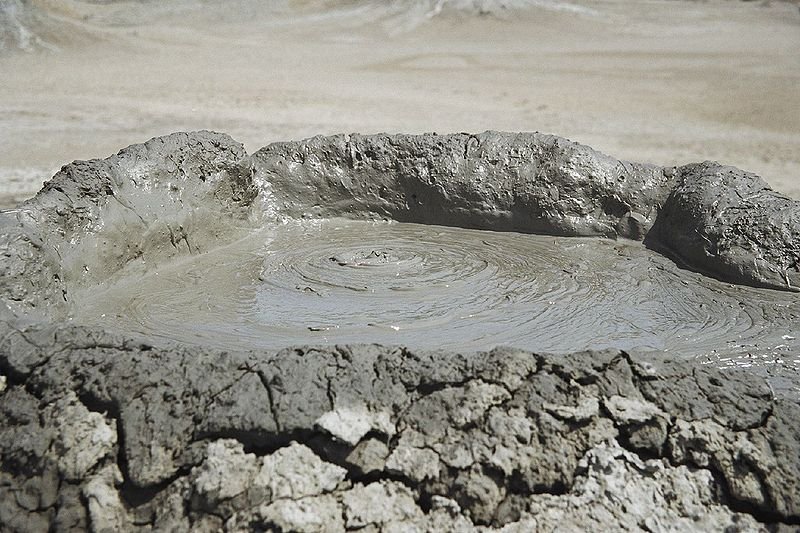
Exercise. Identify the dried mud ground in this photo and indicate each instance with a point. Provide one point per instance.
(658, 81)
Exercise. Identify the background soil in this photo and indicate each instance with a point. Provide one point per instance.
(667, 82)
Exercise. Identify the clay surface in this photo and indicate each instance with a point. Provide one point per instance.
(644, 81)
(110, 423)
(337, 281)
(334, 439)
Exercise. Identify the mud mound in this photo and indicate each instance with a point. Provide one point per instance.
(717, 219)
(124, 431)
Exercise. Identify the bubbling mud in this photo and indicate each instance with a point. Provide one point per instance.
(340, 281)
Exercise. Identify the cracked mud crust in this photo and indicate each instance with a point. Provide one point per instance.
(109, 432)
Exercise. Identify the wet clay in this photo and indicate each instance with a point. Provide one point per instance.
(339, 281)
(146, 297)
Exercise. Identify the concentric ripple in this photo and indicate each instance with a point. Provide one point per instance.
(337, 281)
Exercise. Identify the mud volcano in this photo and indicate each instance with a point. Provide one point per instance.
(149, 299)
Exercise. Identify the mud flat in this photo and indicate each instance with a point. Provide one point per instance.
(663, 81)
(194, 338)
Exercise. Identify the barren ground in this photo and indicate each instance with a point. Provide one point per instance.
(656, 81)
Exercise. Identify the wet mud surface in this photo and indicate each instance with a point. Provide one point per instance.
(338, 281)
(184, 328)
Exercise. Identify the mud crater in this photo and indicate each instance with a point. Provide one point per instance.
(460, 242)
(145, 297)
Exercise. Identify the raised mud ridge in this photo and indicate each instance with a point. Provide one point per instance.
(717, 219)
(115, 433)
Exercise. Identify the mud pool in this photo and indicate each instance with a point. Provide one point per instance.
(337, 281)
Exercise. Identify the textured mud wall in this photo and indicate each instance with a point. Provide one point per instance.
(716, 219)
(170, 196)
(524, 182)
(111, 433)
(732, 224)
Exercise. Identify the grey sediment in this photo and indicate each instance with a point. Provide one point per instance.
(113, 431)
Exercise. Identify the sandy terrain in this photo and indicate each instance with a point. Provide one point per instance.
(657, 81)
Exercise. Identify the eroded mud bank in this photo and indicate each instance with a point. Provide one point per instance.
(150, 429)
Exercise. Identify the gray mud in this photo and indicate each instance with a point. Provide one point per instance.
(146, 297)
(337, 281)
